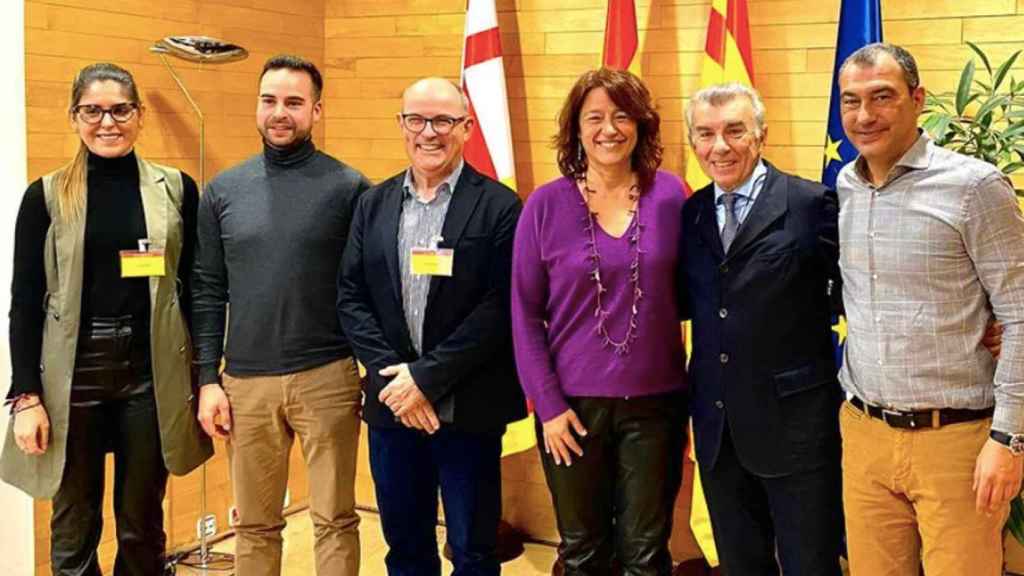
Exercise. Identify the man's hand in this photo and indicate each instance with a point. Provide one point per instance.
(405, 399)
(993, 338)
(32, 428)
(558, 438)
(214, 411)
(997, 477)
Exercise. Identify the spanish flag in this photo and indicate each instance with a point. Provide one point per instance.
(727, 58)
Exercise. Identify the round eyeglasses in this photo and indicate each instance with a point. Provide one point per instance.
(93, 114)
(442, 124)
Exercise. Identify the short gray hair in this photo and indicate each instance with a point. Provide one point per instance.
(719, 94)
(867, 56)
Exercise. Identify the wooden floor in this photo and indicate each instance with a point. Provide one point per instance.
(298, 551)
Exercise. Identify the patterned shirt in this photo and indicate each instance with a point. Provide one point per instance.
(420, 227)
(928, 259)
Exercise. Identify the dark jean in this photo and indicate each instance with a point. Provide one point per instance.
(408, 467)
(617, 500)
(113, 409)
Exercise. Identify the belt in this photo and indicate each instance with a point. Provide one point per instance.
(921, 418)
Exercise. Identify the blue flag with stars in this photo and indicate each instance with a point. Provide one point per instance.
(860, 23)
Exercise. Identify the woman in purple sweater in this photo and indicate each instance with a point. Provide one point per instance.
(596, 329)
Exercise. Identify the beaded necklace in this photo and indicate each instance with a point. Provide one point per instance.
(621, 347)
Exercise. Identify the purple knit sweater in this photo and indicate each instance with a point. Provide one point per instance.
(558, 351)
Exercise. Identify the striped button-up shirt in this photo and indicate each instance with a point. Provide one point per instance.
(928, 258)
(420, 227)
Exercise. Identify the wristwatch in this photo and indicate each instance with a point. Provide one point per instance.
(1015, 442)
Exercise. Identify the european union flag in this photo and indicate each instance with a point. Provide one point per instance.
(860, 23)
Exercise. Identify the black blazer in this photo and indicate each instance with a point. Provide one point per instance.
(467, 368)
(763, 359)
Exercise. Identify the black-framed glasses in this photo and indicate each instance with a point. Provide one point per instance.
(442, 124)
(93, 114)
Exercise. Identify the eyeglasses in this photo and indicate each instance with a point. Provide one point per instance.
(442, 124)
(92, 114)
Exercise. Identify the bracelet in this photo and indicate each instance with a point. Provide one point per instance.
(15, 401)
(19, 408)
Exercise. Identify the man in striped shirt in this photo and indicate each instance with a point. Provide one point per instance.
(931, 252)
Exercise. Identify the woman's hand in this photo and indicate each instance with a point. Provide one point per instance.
(32, 427)
(558, 437)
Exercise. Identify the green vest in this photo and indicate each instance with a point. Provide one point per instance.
(184, 444)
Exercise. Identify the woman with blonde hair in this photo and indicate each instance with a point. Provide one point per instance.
(100, 350)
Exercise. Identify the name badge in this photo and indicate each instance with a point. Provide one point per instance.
(143, 262)
(432, 261)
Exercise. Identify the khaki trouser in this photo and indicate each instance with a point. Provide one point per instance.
(321, 406)
(908, 498)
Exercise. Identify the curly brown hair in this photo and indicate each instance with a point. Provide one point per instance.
(628, 93)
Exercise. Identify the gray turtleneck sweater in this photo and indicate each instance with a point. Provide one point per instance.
(271, 233)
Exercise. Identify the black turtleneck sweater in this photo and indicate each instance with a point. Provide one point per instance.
(114, 221)
(271, 233)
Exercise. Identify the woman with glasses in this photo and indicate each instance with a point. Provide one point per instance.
(596, 329)
(100, 350)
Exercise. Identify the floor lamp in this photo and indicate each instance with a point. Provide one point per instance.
(204, 50)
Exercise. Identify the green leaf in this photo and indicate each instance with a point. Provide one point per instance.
(1003, 70)
(984, 58)
(1012, 167)
(1016, 521)
(985, 111)
(963, 91)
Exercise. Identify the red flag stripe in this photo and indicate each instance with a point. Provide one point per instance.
(475, 151)
(481, 47)
(738, 24)
(620, 36)
(715, 45)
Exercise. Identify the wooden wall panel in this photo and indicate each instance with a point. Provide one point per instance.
(373, 49)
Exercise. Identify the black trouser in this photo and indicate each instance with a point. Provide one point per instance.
(760, 523)
(617, 500)
(113, 409)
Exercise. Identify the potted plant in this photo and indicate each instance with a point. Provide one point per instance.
(984, 118)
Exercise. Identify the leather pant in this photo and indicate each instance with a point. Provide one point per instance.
(617, 500)
(113, 409)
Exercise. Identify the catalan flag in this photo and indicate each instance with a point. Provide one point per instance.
(728, 57)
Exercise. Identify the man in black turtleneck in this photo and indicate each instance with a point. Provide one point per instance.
(271, 235)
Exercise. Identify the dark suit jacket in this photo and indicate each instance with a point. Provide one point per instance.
(763, 359)
(467, 364)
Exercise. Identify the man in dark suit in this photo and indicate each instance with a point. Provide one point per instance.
(759, 265)
(424, 298)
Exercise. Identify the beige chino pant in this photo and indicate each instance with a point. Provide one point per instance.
(908, 498)
(321, 407)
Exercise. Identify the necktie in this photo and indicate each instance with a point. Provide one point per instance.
(731, 223)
